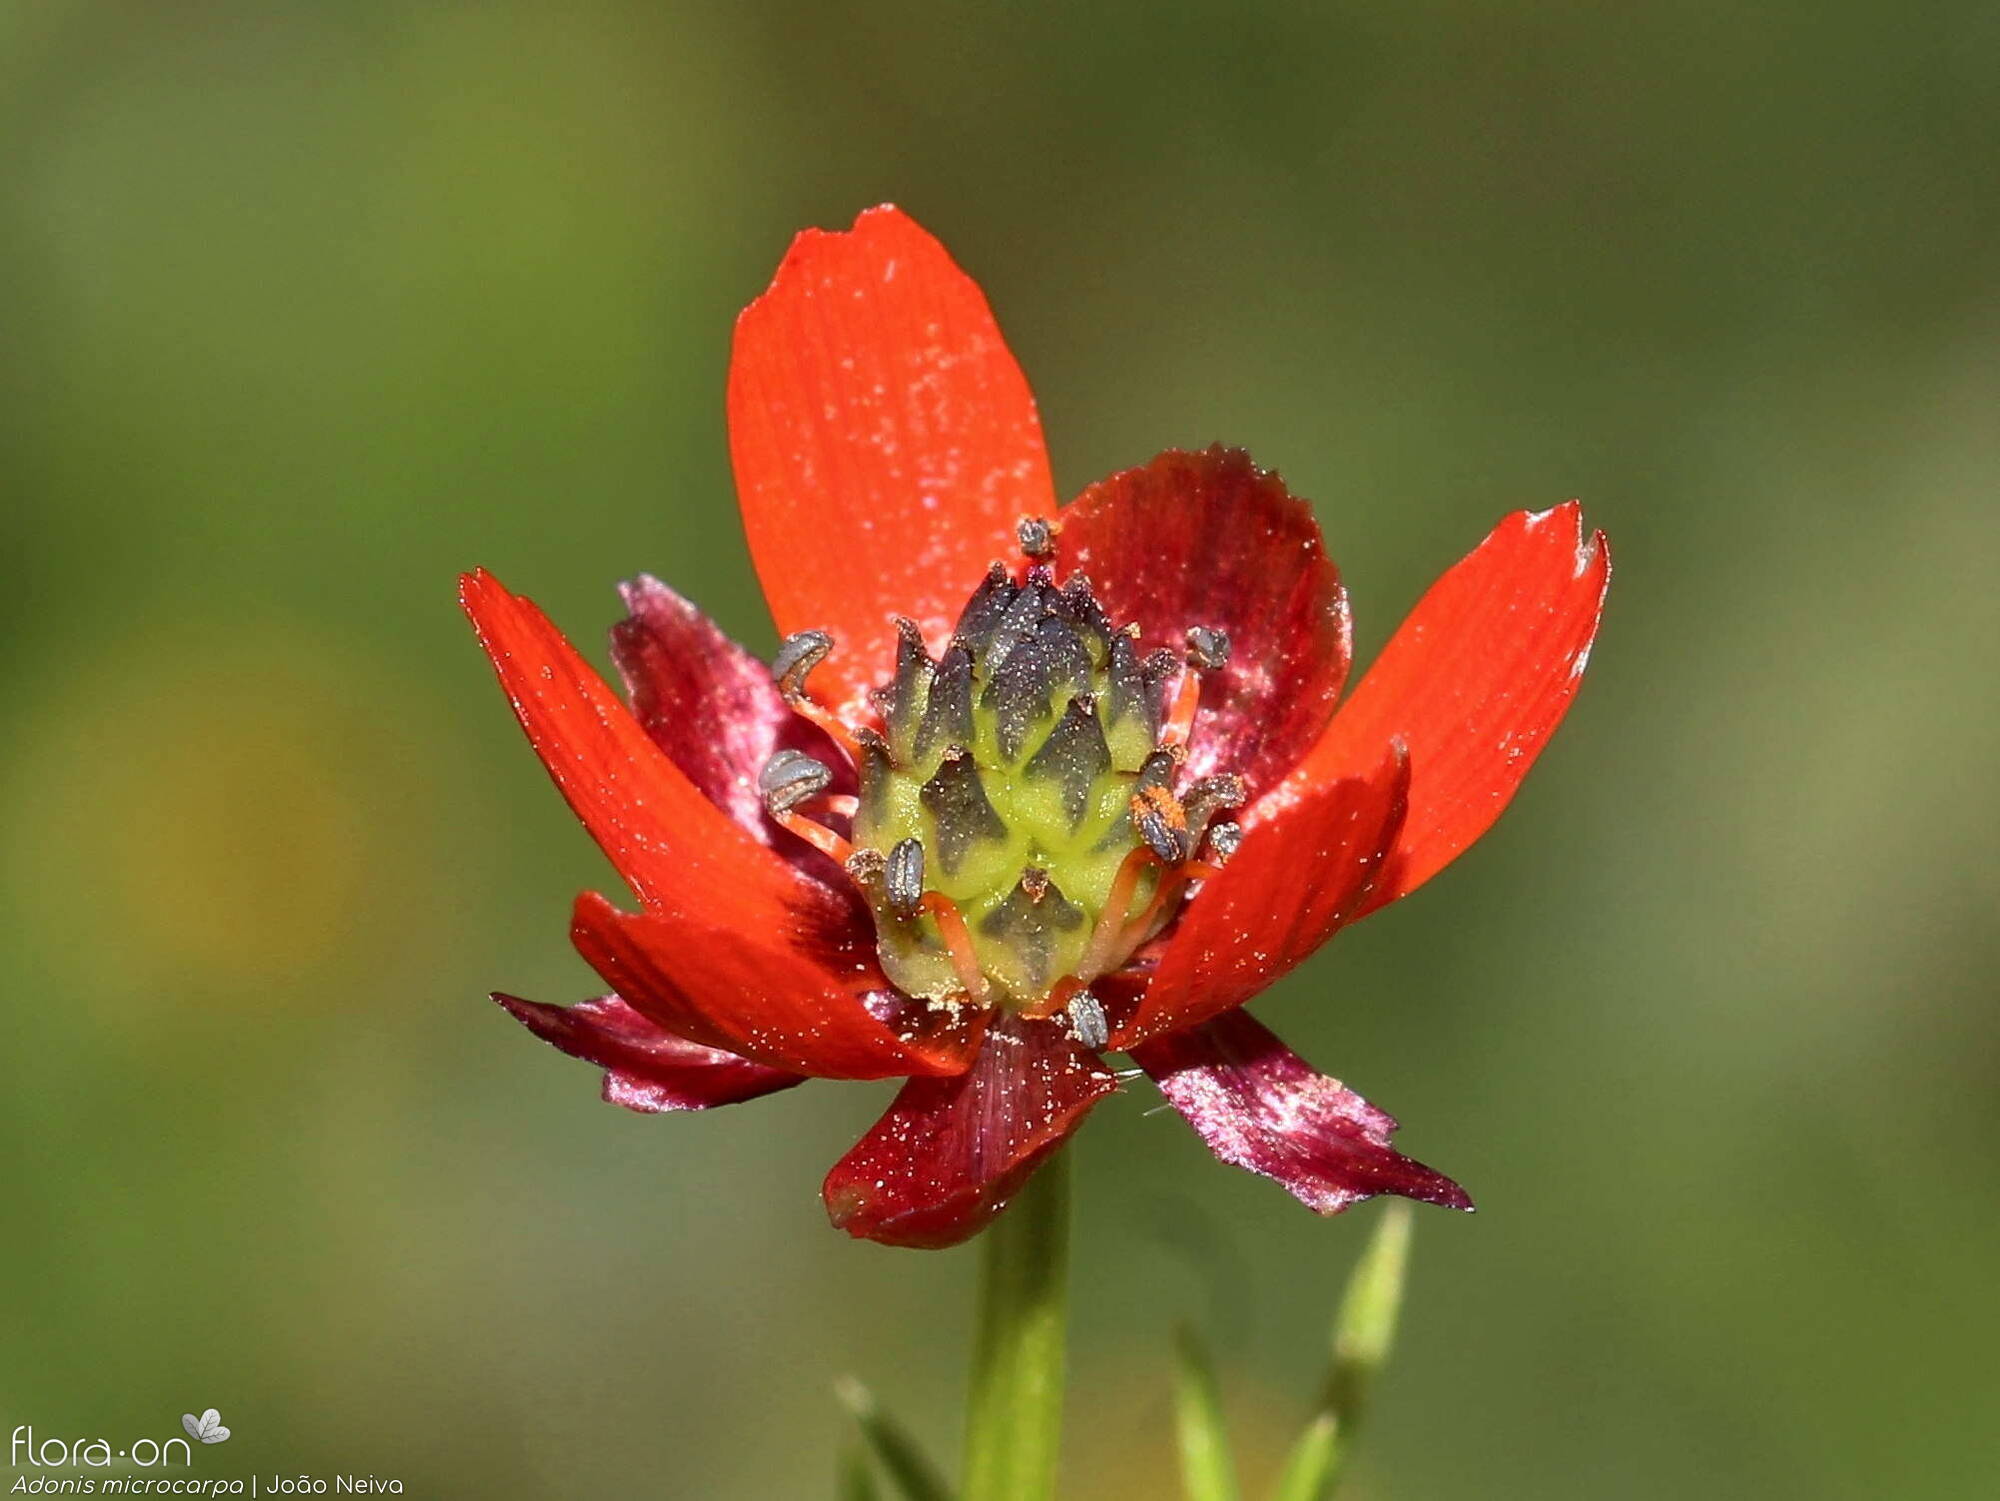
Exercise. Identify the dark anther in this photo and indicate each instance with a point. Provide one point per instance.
(959, 807)
(903, 878)
(1225, 839)
(1075, 755)
(1161, 837)
(798, 655)
(1157, 770)
(866, 866)
(1208, 796)
(1208, 649)
(1086, 1021)
(1037, 537)
(982, 612)
(1028, 922)
(948, 712)
(789, 778)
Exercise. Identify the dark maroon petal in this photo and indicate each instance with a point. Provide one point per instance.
(1261, 1106)
(951, 1153)
(646, 1067)
(712, 707)
(1209, 539)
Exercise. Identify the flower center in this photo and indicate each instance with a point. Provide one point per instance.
(1019, 829)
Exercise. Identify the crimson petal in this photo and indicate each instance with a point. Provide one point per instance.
(712, 707)
(885, 442)
(1473, 683)
(1209, 539)
(951, 1153)
(1305, 868)
(1260, 1106)
(646, 1068)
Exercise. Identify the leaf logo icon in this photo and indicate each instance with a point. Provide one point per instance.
(208, 1427)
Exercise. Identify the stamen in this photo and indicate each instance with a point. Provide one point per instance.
(1208, 648)
(789, 778)
(903, 878)
(842, 804)
(1206, 797)
(958, 941)
(1160, 820)
(798, 654)
(1086, 1021)
(1224, 839)
(1037, 537)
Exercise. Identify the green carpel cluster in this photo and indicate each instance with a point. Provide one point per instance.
(1004, 781)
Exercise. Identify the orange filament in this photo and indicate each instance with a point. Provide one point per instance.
(958, 941)
(1110, 951)
(841, 804)
(818, 835)
(827, 720)
(1117, 907)
(1056, 1001)
(1180, 720)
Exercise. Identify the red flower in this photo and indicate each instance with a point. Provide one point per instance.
(978, 830)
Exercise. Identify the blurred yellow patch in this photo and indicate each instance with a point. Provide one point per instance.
(192, 818)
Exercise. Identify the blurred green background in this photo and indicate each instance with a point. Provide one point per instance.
(305, 307)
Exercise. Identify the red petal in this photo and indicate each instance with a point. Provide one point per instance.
(714, 710)
(884, 440)
(951, 1153)
(646, 1068)
(1303, 869)
(769, 996)
(1210, 539)
(673, 846)
(1474, 682)
(739, 949)
(1260, 1106)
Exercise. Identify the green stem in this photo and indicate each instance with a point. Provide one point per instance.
(1013, 1421)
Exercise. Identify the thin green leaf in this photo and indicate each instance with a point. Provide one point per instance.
(856, 1482)
(1363, 1334)
(1307, 1472)
(909, 1469)
(1207, 1471)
